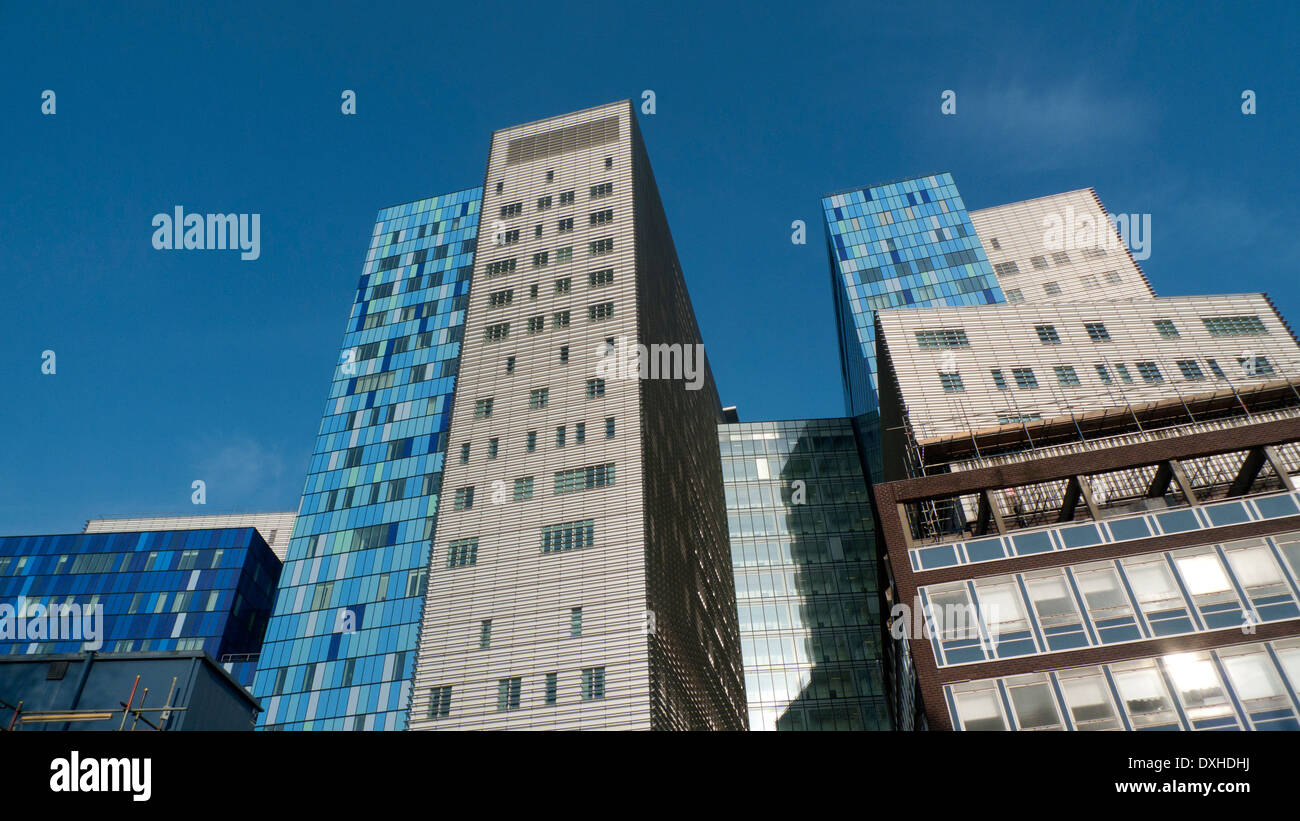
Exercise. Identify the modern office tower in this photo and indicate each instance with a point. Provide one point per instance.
(580, 575)
(900, 244)
(803, 552)
(1063, 248)
(1096, 525)
(340, 648)
(275, 528)
(208, 590)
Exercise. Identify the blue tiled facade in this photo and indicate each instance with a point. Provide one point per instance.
(340, 648)
(209, 590)
(903, 244)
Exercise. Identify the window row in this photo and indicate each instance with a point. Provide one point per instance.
(1249, 686)
(1110, 373)
(1212, 587)
(510, 692)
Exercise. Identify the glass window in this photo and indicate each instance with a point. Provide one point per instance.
(1058, 617)
(1259, 688)
(1087, 696)
(1208, 584)
(1158, 595)
(954, 622)
(1143, 693)
(978, 706)
(1033, 702)
(1260, 577)
(1004, 616)
(1108, 605)
(1202, 694)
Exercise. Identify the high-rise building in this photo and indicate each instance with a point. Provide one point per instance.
(208, 590)
(803, 551)
(1061, 248)
(1092, 522)
(580, 575)
(275, 528)
(340, 648)
(909, 243)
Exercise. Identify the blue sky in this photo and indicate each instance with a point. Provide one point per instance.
(176, 366)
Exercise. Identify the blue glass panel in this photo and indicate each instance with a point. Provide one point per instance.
(1178, 521)
(1080, 536)
(1123, 530)
(1030, 543)
(1227, 514)
(985, 550)
(1273, 507)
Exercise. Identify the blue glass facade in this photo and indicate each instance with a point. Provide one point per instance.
(903, 244)
(207, 590)
(340, 648)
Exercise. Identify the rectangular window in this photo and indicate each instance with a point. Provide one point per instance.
(1060, 258)
(943, 338)
(575, 621)
(565, 225)
(1112, 277)
(1038, 262)
(1150, 372)
(566, 198)
(559, 436)
(603, 310)
(1166, 328)
(999, 381)
(601, 246)
(1052, 289)
(584, 478)
(500, 268)
(493, 446)
(541, 259)
(1097, 331)
(1014, 295)
(483, 408)
(510, 364)
(580, 432)
(560, 319)
(1215, 369)
(602, 217)
(564, 354)
(485, 634)
(1157, 594)
(499, 299)
(1103, 373)
(609, 428)
(1024, 377)
(462, 552)
(602, 277)
(509, 237)
(1066, 375)
(1255, 365)
(563, 286)
(508, 690)
(464, 452)
(1243, 325)
(595, 388)
(536, 324)
(1124, 375)
(593, 683)
(568, 536)
(1190, 369)
(523, 488)
(602, 190)
(1047, 334)
(538, 398)
(531, 441)
(496, 333)
(464, 499)
(514, 209)
(563, 255)
(1005, 268)
(951, 382)
(1107, 603)
(552, 687)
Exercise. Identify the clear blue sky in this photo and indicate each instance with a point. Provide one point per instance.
(181, 366)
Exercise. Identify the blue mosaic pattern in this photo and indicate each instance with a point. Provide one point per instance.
(903, 244)
(207, 590)
(340, 649)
